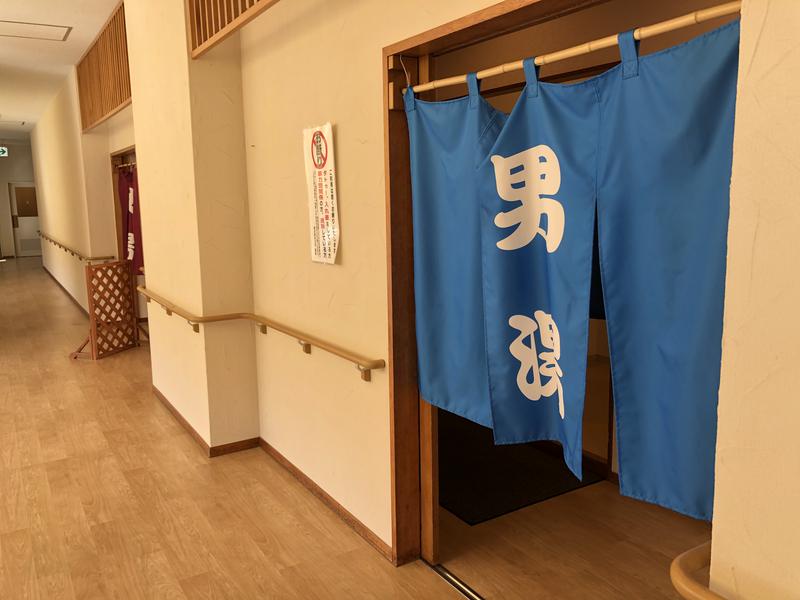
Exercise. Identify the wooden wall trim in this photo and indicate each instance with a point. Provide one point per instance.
(232, 447)
(496, 20)
(344, 514)
(402, 358)
(108, 115)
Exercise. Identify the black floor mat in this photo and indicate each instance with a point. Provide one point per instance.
(479, 481)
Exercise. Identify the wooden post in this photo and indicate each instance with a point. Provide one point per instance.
(402, 363)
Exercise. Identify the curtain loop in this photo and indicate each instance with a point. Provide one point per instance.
(409, 100)
(405, 70)
(531, 77)
(629, 53)
(474, 87)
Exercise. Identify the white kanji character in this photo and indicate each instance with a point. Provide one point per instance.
(525, 177)
(528, 357)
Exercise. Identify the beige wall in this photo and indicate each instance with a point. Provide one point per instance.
(315, 411)
(195, 220)
(303, 63)
(224, 229)
(73, 175)
(205, 203)
(98, 144)
(164, 153)
(16, 168)
(756, 541)
(58, 166)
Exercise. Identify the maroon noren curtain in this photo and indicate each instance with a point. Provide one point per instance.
(131, 221)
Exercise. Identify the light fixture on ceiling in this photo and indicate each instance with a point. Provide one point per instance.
(34, 31)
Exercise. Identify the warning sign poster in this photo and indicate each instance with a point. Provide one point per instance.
(323, 211)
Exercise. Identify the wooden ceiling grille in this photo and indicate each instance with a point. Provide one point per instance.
(211, 21)
(104, 83)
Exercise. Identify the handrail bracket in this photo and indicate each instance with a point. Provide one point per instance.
(366, 373)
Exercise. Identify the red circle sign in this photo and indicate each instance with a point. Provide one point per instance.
(319, 150)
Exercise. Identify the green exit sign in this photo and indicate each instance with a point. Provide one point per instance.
(3, 152)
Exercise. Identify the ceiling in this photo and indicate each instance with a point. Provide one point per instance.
(33, 70)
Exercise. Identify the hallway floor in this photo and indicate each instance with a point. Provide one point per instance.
(589, 543)
(104, 495)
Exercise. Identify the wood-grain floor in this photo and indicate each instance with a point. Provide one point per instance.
(104, 495)
(588, 544)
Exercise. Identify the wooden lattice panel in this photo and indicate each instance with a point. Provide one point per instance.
(104, 84)
(113, 325)
(212, 21)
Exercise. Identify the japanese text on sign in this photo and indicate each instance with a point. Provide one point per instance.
(323, 210)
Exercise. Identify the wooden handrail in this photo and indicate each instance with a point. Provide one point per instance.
(74, 252)
(683, 569)
(364, 365)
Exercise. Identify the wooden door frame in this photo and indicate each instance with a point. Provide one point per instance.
(12, 197)
(413, 422)
(117, 158)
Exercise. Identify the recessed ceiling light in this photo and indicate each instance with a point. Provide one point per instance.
(34, 31)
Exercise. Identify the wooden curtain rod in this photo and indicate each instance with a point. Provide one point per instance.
(364, 365)
(640, 33)
(74, 252)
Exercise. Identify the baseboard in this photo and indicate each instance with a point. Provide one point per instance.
(66, 291)
(210, 451)
(344, 514)
(233, 447)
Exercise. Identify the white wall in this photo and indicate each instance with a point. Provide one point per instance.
(303, 63)
(16, 168)
(756, 535)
